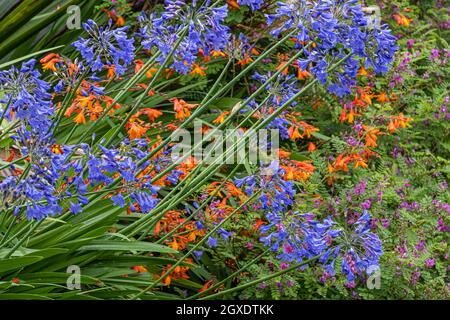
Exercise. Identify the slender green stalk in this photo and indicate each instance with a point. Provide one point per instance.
(19, 243)
(179, 261)
(149, 87)
(257, 281)
(234, 274)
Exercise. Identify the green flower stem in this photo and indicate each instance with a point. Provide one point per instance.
(199, 110)
(234, 274)
(19, 243)
(257, 281)
(204, 203)
(179, 261)
(123, 91)
(150, 86)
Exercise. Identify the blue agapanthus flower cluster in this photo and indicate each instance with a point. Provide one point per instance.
(282, 89)
(253, 4)
(296, 237)
(106, 47)
(337, 28)
(124, 161)
(205, 31)
(39, 189)
(276, 194)
(26, 97)
(360, 248)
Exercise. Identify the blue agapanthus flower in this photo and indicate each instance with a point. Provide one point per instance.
(359, 248)
(106, 47)
(26, 97)
(337, 28)
(253, 4)
(205, 31)
(48, 170)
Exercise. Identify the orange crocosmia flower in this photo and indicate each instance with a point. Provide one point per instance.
(152, 114)
(341, 163)
(362, 72)
(233, 190)
(172, 126)
(111, 71)
(80, 118)
(350, 116)
(220, 119)
(283, 66)
(218, 53)
(391, 126)
(198, 70)
(294, 133)
(312, 147)
(302, 74)
(109, 102)
(245, 61)
(182, 108)
(304, 167)
(258, 224)
(151, 72)
(359, 161)
(206, 285)
(397, 122)
(120, 22)
(298, 170)
(138, 64)
(382, 98)
(139, 269)
(135, 130)
(255, 52)
(49, 61)
(402, 20)
(401, 120)
(232, 4)
(283, 153)
(371, 136)
(57, 149)
(308, 129)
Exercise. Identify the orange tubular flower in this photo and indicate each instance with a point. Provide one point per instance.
(139, 269)
(397, 122)
(245, 61)
(302, 74)
(220, 119)
(402, 20)
(198, 70)
(382, 98)
(80, 119)
(312, 147)
(308, 129)
(371, 136)
(362, 72)
(120, 22)
(340, 163)
(152, 114)
(135, 130)
(111, 71)
(283, 66)
(232, 4)
(294, 134)
(49, 61)
(182, 108)
(359, 161)
(298, 170)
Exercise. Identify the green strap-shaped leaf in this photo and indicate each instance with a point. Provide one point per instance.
(19, 262)
(113, 245)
